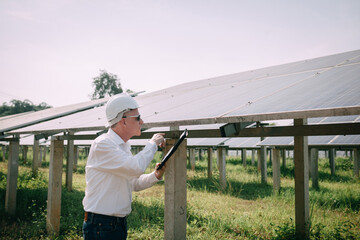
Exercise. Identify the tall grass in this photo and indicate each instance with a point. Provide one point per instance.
(245, 209)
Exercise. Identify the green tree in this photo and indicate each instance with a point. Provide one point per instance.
(18, 106)
(106, 84)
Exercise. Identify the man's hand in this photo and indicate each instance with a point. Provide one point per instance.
(158, 138)
(159, 173)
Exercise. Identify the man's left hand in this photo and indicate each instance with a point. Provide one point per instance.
(159, 173)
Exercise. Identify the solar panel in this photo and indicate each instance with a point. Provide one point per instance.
(339, 140)
(330, 82)
(23, 120)
(243, 142)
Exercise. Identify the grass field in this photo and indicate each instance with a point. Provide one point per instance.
(246, 209)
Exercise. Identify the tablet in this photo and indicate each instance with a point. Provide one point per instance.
(173, 149)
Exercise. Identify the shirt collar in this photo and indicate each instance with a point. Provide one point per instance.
(117, 139)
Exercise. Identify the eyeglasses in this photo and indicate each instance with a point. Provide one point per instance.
(138, 117)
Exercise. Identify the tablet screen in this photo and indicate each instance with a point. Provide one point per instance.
(173, 149)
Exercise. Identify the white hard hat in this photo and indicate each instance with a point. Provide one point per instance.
(117, 106)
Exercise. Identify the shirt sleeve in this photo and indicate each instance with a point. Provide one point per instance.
(145, 181)
(116, 160)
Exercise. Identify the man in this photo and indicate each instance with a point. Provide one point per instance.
(112, 172)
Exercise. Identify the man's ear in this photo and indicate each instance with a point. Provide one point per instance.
(123, 121)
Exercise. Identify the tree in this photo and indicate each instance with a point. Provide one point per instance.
(18, 106)
(106, 84)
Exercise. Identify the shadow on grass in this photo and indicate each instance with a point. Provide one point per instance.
(29, 221)
(326, 176)
(146, 215)
(329, 199)
(198, 167)
(236, 161)
(249, 191)
(80, 169)
(289, 172)
(203, 166)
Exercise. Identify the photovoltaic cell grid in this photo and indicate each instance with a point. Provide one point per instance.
(191, 142)
(20, 120)
(189, 127)
(339, 140)
(243, 142)
(315, 84)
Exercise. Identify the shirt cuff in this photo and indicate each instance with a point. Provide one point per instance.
(154, 178)
(152, 142)
(152, 147)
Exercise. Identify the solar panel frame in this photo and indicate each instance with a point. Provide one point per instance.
(293, 90)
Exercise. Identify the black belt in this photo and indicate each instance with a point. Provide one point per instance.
(92, 216)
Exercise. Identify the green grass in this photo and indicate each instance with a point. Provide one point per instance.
(246, 209)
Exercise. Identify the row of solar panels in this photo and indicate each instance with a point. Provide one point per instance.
(272, 93)
(249, 143)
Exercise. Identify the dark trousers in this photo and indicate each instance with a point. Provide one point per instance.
(97, 226)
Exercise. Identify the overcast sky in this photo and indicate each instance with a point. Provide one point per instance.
(50, 51)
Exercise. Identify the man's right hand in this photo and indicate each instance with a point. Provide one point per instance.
(158, 138)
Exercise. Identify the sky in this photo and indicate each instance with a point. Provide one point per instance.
(50, 51)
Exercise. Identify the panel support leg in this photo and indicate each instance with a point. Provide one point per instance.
(69, 164)
(356, 154)
(54, 189)
(210, 167)
(332, 161)
(263, 165)
(283, 155)
(258, 160)
(252, 157)
(175, 193)
(276, 170)
(192, 158)
(36, 160)
(12, 175)
(243, 156)
(314, 167)
(222, 167)
(301, 183)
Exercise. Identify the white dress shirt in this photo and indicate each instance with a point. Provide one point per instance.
(113, 172)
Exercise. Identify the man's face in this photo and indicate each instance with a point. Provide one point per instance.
(132, 123)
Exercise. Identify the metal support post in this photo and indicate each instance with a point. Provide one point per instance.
(276, 170)
(243, 156)
(175, 193)
(12, 175)
(69, 164)
(54, 189)
(222, 167)
(301, 183)
(314, 167)
(210, 167)
(35, 163)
